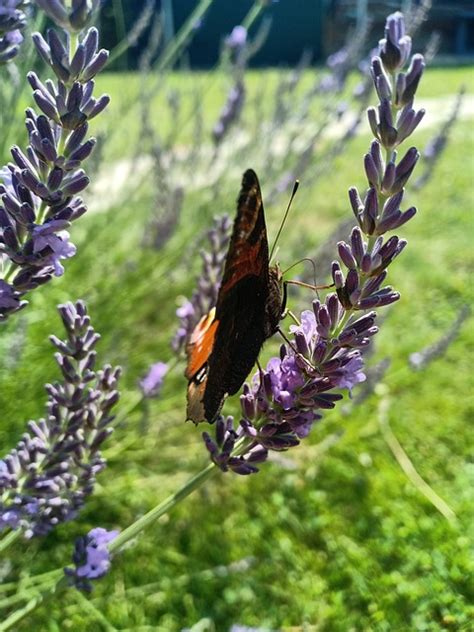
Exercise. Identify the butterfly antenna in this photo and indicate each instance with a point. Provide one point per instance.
(293, 265)
(295, 189)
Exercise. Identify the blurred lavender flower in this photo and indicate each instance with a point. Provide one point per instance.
(91, 558)
(436, 145)
(153, 381)
(71, 16)
(46, 479)
(343, 61)
(286, 398)
(237, 39)
(12, 22)
(39, 190)
(204, 297)
(231, 111)
(421, 359)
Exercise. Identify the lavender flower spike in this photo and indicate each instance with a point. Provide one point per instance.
(39, 189)
(153, 381)
(46, 479)
(91, 558)
(231, 111)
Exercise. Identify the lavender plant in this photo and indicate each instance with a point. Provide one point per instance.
(39, 192)
(46, 479)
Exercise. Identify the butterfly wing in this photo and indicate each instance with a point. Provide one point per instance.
(224, 346)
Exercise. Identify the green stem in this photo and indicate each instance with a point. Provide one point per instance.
(25, 582)
(407, 466)
(253, 14)
(11, 537)
(178, 43)
(340, 326)
(164, 507)
(74, 43)
(121, 30)
(16, 616)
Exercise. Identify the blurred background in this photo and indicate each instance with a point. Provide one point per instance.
(368, 524)
(319, 26)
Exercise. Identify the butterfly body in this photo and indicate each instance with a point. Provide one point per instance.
(226, 343)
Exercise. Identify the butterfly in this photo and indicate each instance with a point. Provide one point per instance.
(226, 342)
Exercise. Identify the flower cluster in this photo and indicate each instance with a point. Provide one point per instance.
(39, 194)
(91, 558)
(12, 22)
(205, 295)
(71, 16)
(285, 399)
(45, 480)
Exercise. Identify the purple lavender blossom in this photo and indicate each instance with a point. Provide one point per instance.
(39, 190)
(12, 22)
(91, 558)
(9, 299)
(152, 383)
(237, 39)
(46, 479)
(58, 244)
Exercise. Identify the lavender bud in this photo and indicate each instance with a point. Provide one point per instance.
(412, 79)
(371, 171)
(373, 121)
(357, 244)
(370, 213)
(388, 178)
(346, 255)
(381, 80)
(379, 299)
(356, 202)
(387, 133)
(404, 169)
(337, 275)
(96, 65)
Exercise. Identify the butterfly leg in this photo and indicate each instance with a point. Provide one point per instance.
(308, 285)
(284, 299)
(290, 344)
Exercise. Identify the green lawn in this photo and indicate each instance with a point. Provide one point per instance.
(332, 534)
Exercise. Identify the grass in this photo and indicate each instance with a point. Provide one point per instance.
(332, 534)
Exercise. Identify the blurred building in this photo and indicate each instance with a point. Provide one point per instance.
(319, 26)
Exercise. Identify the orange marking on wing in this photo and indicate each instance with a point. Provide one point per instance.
(201, 343)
